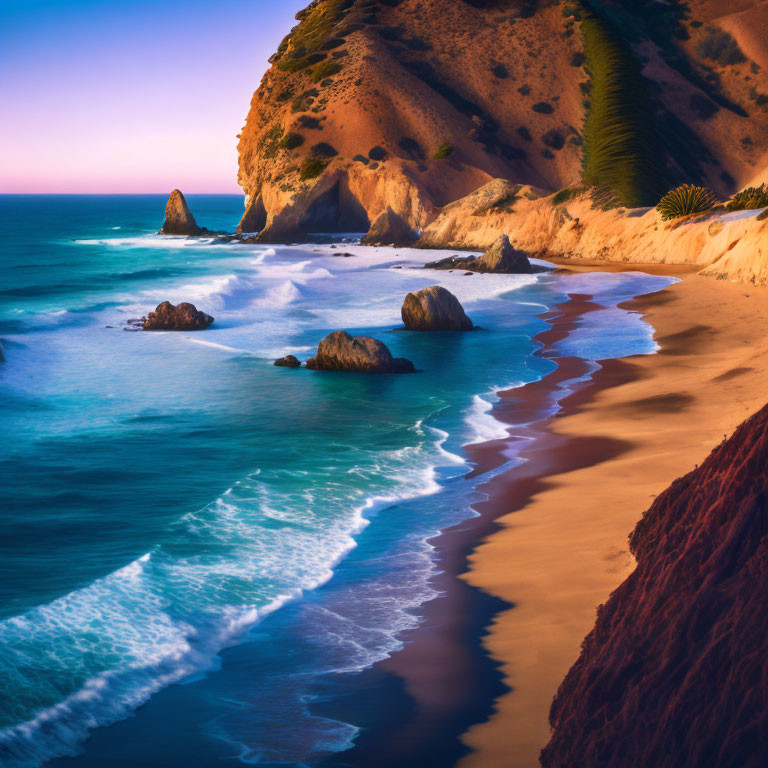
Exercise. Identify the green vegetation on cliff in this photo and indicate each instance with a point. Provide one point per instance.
(621, 152)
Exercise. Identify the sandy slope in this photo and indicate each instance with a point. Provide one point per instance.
(561, 555)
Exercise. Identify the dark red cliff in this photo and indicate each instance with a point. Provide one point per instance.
(675, 671)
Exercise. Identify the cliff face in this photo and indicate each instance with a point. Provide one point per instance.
(412, 104)
(675, 672)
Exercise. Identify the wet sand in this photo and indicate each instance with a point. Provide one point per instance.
(562, 518)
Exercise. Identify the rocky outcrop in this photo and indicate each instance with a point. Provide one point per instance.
(289, 361)
(178, 218)
(389, 229)
(434, 309)
(675, 671)
(255, 217)
(182, 317)
(500, 258)
(341, 352)
(729, 246)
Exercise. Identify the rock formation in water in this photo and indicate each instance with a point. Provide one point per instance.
(675, 671)
(500, 258)
(339, 351)
(413, 104)
(178, 218)
(289, 361)
(182, 317)
(434, 309)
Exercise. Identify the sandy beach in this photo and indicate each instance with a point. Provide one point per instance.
(562, 518)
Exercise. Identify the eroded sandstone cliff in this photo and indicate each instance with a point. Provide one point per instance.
(675, 672)
(412, 104)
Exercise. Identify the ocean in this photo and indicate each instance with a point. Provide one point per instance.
(193, 540)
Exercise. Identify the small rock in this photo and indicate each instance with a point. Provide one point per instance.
(434, 309)
(289, 361)
(184, 317)
(339, 351)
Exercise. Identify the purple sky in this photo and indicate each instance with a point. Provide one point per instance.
(130, 95)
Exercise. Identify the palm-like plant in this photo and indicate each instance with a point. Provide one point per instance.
(748, 199)
(684, 200)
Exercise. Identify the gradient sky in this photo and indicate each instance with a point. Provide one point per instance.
(130, 95)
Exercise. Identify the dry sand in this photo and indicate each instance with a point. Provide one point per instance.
(565, 514)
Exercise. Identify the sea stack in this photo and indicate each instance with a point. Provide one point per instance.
(339, 351)
(184, 317)
(178, 218)
(434, 309)
(675, 671)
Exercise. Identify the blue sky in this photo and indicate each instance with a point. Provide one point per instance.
(118, 96)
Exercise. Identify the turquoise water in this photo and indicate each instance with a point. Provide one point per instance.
(167, 496)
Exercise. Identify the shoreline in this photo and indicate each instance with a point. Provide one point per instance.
(519, 593)
(561, 547)
(444, 680)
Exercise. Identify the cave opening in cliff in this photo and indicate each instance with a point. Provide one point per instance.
(335, 210)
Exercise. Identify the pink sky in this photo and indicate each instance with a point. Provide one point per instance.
(130, 95)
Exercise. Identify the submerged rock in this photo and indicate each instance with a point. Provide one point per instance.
(289, 361)
(184, 317)
(339, 351)
(434, 309)
(500, 258)
(178, 218)
(389, 229)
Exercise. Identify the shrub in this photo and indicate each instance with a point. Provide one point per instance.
(411, 147)
(377, 153)
(303, 103)
(307, 121)
(291, 140)
(312, 167)
(499, 71)
(717, 45)
(296, 65)
(566, 195)
(524, 133)
(326, 69)
(684, 200)
(748, 199)
(323, 149)
(554, 139)
(361, 159)
(543, 108)
(446, 150)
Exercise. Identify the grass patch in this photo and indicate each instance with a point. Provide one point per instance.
(323, 70)
(621, 151)
(567, 194)
(296, 65)
(446, 150)
(312, 167)
(291, 140)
